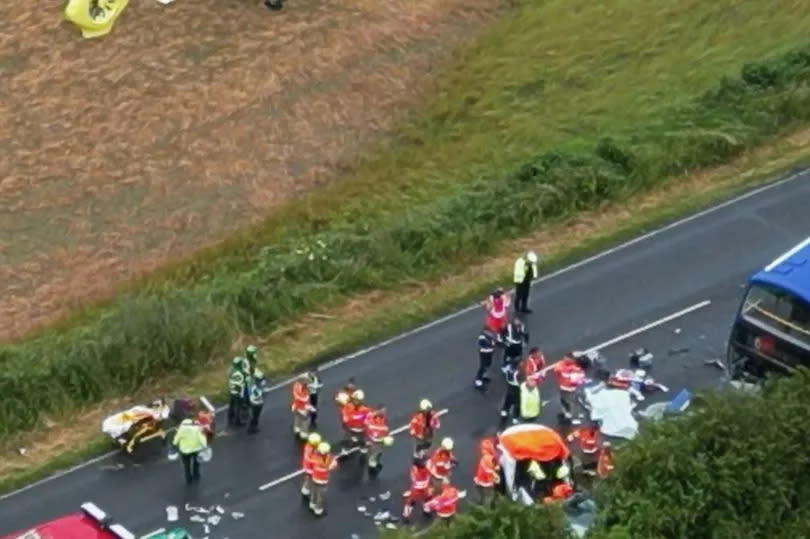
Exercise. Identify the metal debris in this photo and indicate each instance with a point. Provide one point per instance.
(237, 516)
(385, 495)
(214, 520)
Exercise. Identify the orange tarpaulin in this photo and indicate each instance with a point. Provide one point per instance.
(535, 442)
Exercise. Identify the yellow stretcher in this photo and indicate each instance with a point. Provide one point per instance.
(137, 425)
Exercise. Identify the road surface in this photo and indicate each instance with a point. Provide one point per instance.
(693, 270)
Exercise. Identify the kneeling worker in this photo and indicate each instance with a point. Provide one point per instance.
(190, 440)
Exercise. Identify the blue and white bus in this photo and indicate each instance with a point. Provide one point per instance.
(771, 332)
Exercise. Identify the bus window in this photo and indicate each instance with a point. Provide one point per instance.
(776, 309)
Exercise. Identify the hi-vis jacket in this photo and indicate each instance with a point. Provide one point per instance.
(530, 403)
(486, 474)
(521, 265)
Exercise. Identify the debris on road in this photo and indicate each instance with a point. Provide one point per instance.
(715, 362)
(361, 508)
(677, 331)
(385, 495)
(196, 518)
(237, 515)
(678, 351)
(206, 529)
(214, 520)
(171, 513)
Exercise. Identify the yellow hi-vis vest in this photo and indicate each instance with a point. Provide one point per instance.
(189, 439)
(520, 270)
(530, 403)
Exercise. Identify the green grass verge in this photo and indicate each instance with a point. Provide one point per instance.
(626, 128)
(386, 323)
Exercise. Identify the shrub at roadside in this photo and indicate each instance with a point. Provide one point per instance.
(172, 328)
(505, 520)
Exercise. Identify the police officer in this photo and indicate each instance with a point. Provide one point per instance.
(256, 402)
(486, 349)
(525, 272)
(511, 400)
(237, 380)
(314, 384)
(515, 337)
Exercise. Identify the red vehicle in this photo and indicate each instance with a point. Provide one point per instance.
(90, 523)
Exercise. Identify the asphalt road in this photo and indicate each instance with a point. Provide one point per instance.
(706, 258)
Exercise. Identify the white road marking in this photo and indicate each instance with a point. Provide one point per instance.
(152, 534)
(274, 482)
(434, 323)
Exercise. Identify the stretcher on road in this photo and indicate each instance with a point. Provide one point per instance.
(137, 425)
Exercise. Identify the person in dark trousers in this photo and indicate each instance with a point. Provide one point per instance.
(511, 400)
(256, 402)
(525, 273)
(487, 341)
(515, 337)
(190, 440)
(314, 384)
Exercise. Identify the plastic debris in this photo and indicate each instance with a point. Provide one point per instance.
(227, 495)
(206, 529)
(22, 451)
(171, 513)
(677, 331)
(715, 363)
(391, 526)
(654, 411)
(237, 516)
(382, 515)
(196, 518)
(361, 508)
(219, 509)
(385, 495)
(214, 520)
(372, 499)
(680, 402)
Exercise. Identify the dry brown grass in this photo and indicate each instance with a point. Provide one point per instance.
(121, 154)
(325, 330)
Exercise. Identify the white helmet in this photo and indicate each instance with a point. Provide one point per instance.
(388, 441)
(358, 395)
(324, 448)
(563, 472)
(531, 256)
(314, 439)
(425, 405)
(447, 444)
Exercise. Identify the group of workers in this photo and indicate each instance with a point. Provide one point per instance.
(366, 431)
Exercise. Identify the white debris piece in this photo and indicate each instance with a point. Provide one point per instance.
(677, 331)
(354, 536)
(214, 520)
(385, 495)
(171, 513)
(237, 515)
(391, 526)
(372, 499)
(197, 518)
(23, 451)
(382, 515)
(361, 508)
(206, 529)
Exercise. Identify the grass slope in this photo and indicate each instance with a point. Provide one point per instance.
(480, 161)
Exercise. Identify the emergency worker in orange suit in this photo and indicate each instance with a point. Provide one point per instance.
(422, 427)
(487, 472)
(420, 491)
(301, 407)
(353, 420)
(441, 464)
(445, 504)
(377, 437)
(313, 441)
(588, 439)
(323, 463)
(570, 376)
(532, 367)
(605, 464)
(560, 492)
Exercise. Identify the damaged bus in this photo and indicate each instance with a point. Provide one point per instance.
(771, 332)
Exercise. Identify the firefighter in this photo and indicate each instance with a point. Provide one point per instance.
(301, 407)
(314, 385)
(420, 491)
(515, 336)
(605, 462)
(323, 462)
(511, 399)
(236, 382)
(487, 473)
(497, 306)
(422, 427)
(570, 376)
(353, 420)
(560, 492)
(533, 365)
(445, 504)
(313, 441)
(343, 396)
(256, 403)
(588, 439)
(487, 341)
(377, 437)
(441, 463)
(525, 272)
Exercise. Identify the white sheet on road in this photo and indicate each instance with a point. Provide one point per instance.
(614, 408)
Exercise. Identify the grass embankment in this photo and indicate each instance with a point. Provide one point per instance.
(563, 107)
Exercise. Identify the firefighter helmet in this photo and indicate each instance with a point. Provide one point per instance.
(358, 395)
(447, 444)
(425, 405)
(324, 448)
(314, 439)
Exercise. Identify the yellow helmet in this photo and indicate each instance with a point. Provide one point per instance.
(314, 438)
(358, 395)
(563, 472)
(447, 444)
(342, 398)
(425, 405)
(324, 448)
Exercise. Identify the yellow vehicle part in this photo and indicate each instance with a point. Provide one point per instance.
(94, 18)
